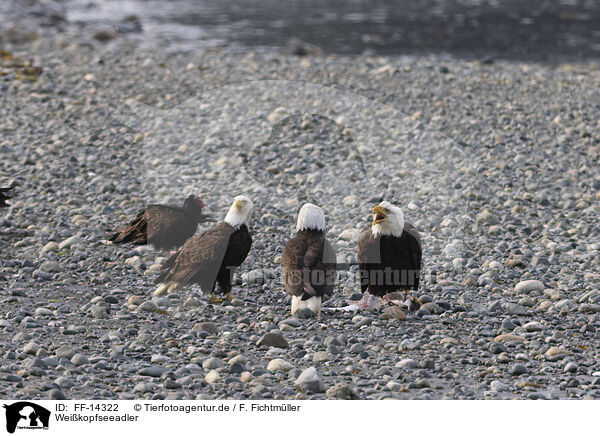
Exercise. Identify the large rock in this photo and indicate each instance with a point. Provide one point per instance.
(273, 340)
(309, 381)
(279, 365)
(528, 286)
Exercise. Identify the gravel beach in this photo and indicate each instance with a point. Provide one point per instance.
(495, 162)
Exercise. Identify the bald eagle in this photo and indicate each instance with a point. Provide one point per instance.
(5, 195)
(164, 226)
(389, 253)
(211, 256)
(308, 262)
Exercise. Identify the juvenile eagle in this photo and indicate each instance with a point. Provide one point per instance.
(164, 226)
(389, 253)
(308, 262)
(211, 256)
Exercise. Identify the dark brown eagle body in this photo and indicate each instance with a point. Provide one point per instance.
(4, 195)
(389, 263)
(208, 258)
(163, 226)
(308, 265)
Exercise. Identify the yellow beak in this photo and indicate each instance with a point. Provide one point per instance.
(379, 215)
(237, 204)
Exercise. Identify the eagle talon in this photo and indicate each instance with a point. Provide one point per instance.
(213, 299)
(416, 300)
(229, 297)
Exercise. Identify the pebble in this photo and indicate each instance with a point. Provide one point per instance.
(149, 306)
(571, 367)
(273, 340)
(279, 365)
(321, 356)
(50, 246)
(65, 351)
(529, 286)
(518, 369)
(56, 394)
(79, 359)
(213, 363)
(407, 364)
(498, 386)
(309, 381)
(507, 337)
(213, 376)
(153, 371)
(556, 351)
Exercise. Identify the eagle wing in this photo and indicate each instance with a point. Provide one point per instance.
(163, 219)
(314, 256)
(134, 232)
(292, 259)
(200, 258)
(414, 240)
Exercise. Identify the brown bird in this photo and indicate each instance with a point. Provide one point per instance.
(212, 256)
(5, 195)
(164, 226)
(308, 262)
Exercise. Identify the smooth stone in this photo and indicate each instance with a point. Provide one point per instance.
(56, 394)
(529, 286)
(498, 386)
(149, 306)
(309, 381)
(533, 326)
(273, 340)
(321, 356)
(304, 313)
(556, 351)
(407, 364)
(50, 246)
(508, 337)
(279, 365)
(213, 363)
(571, 367)
(65, 351)
(212, 377)
(153, 371)
(518, 369)
(79, 359)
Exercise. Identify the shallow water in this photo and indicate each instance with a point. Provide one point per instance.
(507, 28)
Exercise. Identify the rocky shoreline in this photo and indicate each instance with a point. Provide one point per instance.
(495, 163)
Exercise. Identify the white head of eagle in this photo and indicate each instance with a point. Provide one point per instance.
(240, 211)
(388, 220)
(311, 217)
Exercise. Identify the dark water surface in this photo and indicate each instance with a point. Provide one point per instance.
(539, 30)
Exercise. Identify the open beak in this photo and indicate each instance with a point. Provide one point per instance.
(378, 215)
